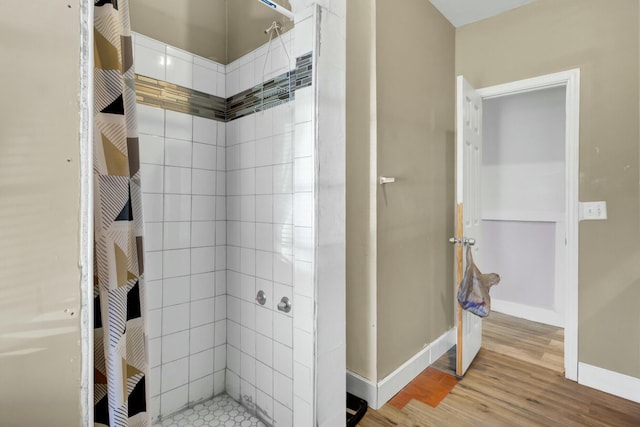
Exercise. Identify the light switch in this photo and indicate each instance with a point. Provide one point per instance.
(593, 210)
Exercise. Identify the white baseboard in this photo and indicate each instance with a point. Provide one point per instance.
(378, 394)
(535, 314)
(611, 382)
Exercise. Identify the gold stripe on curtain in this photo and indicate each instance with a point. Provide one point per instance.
(120, 355)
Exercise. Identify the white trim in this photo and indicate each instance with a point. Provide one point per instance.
(535, 314)
(378, 394)
(527, 216)
(86, 210)
(611, 382)
(571, 80)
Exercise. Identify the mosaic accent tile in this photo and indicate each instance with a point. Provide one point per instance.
(221, 411)
(273, 92)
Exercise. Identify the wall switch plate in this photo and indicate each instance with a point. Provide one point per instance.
(593, 210)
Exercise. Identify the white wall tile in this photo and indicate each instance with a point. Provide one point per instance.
(222, 91)
(303, 174)
(201, 338)
(179, 53)
(233, 314)
(282, 415)
(204, 156)
(264, 350)
(155, 381)
(248, 341)
(177, 152)
(153, 236)
(151, 178)
(303, 209)
(303, 40)
(283, 389)
(264, 265)
(264, 236)
(303, 238)
(304, 105)
(202, 286)
(303, 382)
(283, 118)
(221, 307)
(247, 390)
(202, 312)
(174, 400)
(205, 80)
(283, 208)
(248, 181)
(264, 208)
(152, 207)
(233, 359)
(248, 154)
(248, 314)
(175, 319)
(178, 70)
(219, 358)
(248, 368)
(177, 235)
(177, 207)
(153, 265)
(232, 130)
(302, 412)
(175, 346)
(201, 389)
(205, 130)
(151, 149)
(203, 208)
(283, 328)
(178, 125)
(233, 233)
(282, 269)
(155, 352)
(264, 377)
(232, 383)
(303, 348)
(283, 178)
(177, 180)
(248, 288)
(233, 258)
(221, 208)
(221, 279)
(265, 403)
(202, 259)
(248, 235)
(221, 234)
(154, 294)
(264, 321)
(155, 323)
(303, 318)
(282, 148)
(233, 183)
(247, 127)
(175, 374)
(264, 124)
(150, 120)
(303, 140)
(219, 379)
(201, 365)
(204, 182)
(203, 233)
(248, 261)
(149, 62)
(264, 180)
(246, 76)
(264, 152)
(221, 179)
(175, 291)
(221, 159)
(176, 263)
(248, 208)
(220, 334)
(142, 40)
(303, 278)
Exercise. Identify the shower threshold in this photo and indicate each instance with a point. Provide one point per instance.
(221, 411)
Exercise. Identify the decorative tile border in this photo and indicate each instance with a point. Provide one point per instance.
(273, 92)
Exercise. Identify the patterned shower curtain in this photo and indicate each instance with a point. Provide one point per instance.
(120, 356)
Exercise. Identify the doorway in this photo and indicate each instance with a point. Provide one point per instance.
(532, 208)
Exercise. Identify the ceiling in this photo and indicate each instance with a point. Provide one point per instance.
(463, 12)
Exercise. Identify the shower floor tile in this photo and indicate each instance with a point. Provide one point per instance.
(221, 411)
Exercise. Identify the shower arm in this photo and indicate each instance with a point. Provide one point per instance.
(278, 8)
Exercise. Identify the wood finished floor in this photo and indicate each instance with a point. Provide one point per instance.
(516, 380)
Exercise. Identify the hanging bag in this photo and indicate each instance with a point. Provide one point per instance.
(473, 291)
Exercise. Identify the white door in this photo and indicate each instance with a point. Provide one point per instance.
(468, 209)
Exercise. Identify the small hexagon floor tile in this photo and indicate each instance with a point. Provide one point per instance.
(221, 411)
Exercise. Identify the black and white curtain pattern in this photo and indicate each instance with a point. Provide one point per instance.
(120, 355)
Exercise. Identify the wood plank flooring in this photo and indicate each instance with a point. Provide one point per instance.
(516, 380)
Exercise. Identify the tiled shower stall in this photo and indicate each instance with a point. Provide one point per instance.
(228, 177)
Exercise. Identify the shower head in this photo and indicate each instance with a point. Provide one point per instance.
(273, 26)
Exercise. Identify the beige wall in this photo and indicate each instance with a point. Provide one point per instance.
(399, 262)
(361, 151)
(40, 343)
(415, 87)
(221, 30)
(197, 26)
(247, 20)
(600, 38)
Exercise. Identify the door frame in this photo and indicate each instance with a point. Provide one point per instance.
(569, 79)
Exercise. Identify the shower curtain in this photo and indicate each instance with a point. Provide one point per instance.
(120, 355)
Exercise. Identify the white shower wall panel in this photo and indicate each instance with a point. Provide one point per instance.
(183, 184)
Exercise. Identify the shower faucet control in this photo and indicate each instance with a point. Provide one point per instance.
(284, 305)
(261, 298)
